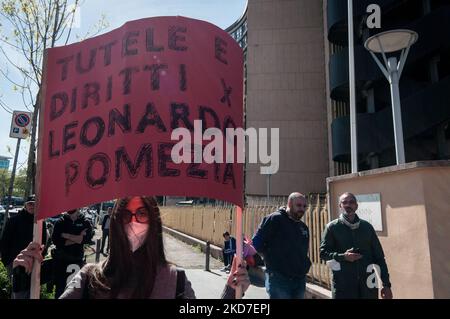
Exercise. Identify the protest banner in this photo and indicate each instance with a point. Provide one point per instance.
(110, 104)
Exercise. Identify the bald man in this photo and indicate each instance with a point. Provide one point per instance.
(351, 245)
(283, 239)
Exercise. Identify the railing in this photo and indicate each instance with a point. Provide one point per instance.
(209, 222)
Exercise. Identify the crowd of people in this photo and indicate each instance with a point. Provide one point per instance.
(136, 266)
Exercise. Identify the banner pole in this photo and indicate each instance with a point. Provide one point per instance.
(239, 243)
(35, 289)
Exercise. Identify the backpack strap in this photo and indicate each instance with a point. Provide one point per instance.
(181, 279)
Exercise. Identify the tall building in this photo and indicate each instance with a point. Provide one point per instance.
(4, 162)
(296, 77)
(285, 88)
(424, 84)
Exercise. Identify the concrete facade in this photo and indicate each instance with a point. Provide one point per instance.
(286, 89)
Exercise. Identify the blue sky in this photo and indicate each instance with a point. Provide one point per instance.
(219, 12)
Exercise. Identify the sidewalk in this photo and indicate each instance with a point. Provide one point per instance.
(206, 284)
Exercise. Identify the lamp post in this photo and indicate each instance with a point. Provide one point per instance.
(388, 42)
(352, 92)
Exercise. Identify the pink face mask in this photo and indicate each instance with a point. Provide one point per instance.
(136, 233)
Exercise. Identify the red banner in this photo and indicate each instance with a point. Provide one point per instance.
(110, 104)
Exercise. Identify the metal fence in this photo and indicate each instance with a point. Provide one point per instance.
(209, 222)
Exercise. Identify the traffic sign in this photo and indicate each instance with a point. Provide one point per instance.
(20, 124)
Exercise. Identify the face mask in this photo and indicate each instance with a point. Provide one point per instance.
(136, 233)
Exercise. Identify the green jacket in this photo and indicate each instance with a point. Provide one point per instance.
(351, 280)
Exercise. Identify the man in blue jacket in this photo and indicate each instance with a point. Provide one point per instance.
(283, 239)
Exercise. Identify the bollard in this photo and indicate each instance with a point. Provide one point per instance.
(97, 250)
(207, 252)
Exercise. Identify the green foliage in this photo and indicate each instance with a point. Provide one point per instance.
(45, 294)
(5, 284)
(19, 182)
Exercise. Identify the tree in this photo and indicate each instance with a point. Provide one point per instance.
(34, 26)
(19, 182)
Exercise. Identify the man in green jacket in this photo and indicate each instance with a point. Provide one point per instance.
(351, 247)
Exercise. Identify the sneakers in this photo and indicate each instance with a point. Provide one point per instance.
(226, 269)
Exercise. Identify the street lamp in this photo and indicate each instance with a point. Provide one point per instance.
(387, 42)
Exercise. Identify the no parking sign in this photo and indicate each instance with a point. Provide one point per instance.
(20, 124)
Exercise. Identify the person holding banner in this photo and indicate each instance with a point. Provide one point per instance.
(283, 239)
(136, 267)
(72, 231)
(18, 233)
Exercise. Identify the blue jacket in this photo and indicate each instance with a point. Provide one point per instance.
(284, 244)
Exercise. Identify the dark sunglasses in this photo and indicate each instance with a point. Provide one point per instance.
(142, 215)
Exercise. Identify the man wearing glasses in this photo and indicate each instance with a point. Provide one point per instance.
(71, 232)
(283, 240)
(351, 248)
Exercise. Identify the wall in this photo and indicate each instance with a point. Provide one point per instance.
(286, 89)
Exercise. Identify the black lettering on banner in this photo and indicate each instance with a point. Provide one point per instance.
(154, 73)
(68, 135)
(145, 152)
(109, 89)
(105, 162)
(164, 157)
(183, 79)
(150, 42)
(174, 38)
(91, 92)
(107, 54)
(194, 171)
(128, 40)
(216, 171)
(220, 49)
(226, 93)
(72, 171)
(65, 66)
(126, 84)
(73, 100)
(79, 66)
(151, 117)
(229, 174)
(180, 112)
(100, 130)
(54, 111)
(51, 152)
(203, 110)
(124, 120)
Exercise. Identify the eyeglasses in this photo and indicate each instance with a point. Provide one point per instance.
(141, 215)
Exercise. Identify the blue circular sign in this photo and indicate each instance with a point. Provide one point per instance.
(22, 120)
